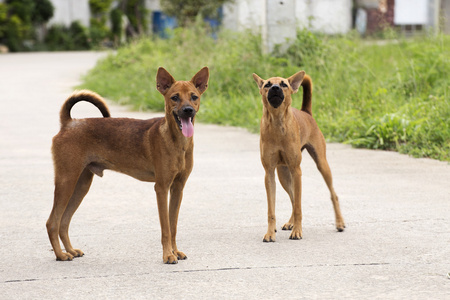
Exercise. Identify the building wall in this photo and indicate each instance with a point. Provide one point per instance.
(445, 16)
(328, 16)
(280, 20)
(67, 11)
(243, 15)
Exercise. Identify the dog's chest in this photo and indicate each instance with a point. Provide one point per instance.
(281, 149)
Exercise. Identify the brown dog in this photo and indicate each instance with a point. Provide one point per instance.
(158, 150)
(285, 132)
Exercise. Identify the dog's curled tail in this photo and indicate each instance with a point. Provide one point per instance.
(307, 94)
(83, 95)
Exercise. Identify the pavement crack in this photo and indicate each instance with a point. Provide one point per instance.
(280, 267)
(21, 280)
(197, 270)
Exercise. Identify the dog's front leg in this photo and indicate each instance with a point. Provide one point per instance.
(176, 195)
(271, 218)
(162, 191)
(296, 233)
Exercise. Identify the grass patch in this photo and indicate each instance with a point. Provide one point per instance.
(393, 96)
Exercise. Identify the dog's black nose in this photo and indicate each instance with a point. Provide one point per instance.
(188, 110)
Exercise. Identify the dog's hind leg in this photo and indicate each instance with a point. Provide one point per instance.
(318, 154)
(285, 177)
(81, 189)
(64, 187)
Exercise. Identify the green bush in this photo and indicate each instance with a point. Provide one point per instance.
(186, 11)
(100, 7)
(42, 12)
(98, 31)
(18, 20)
(80, 36)
(3, 20)
(116, 25)
(137, 14)
(393, 96)
(15, 33)
(74, 37)
(58, 38)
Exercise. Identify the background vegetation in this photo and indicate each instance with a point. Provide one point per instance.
(19, 20)
(186, 11)
(392, 96)
(23, 25)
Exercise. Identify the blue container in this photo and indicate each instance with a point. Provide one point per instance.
(162, 24)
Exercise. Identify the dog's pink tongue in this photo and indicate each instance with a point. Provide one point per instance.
(187, 127)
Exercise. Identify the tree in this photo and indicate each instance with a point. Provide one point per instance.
(20, 18)
(186, 11)
(43, 11)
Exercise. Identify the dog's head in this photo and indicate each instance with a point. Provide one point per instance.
(276, 91)
(182, 98)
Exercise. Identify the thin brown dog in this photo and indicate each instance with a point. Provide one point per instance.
(157, 150)
(285, 132)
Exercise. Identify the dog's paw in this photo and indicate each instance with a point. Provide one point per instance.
(64, 257)
(287, 226)
(180, 255)
(296, 234)
(170, 259)
(76, 252)
(269, 237)
(340, 226)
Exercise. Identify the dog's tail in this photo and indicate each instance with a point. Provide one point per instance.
(307, 94)
(83, 95)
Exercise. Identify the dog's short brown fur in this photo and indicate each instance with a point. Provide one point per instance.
(285, 132)
(157, 150)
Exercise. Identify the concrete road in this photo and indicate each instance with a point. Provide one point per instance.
(397, 210)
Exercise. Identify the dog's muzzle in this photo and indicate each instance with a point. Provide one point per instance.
(184, 118)
(275, 96)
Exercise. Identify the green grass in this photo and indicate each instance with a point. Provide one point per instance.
(393, 96)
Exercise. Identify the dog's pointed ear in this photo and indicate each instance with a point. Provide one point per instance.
(163, 80)
(259, 80)
(296, 79)
(200, 80)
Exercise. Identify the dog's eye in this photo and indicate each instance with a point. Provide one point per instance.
(194, 97)
(268, 85)
(175, 98)
(283, 84)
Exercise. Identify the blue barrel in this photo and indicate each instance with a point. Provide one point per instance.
(162, 24)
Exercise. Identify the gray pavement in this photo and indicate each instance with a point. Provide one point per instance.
(397, 210)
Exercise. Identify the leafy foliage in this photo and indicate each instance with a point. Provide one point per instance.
(100, 7)
(18, 19)
(43, 11)
(137, 14)
(60, 37)
(187, 10)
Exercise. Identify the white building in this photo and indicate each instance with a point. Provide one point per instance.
(67, 11)
(278, 20)
(328, 16)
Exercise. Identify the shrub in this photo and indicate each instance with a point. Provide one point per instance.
(187, 10)
(43, 11)
(74, 37)
(116, 25)
(80, 36)
(18, 20)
